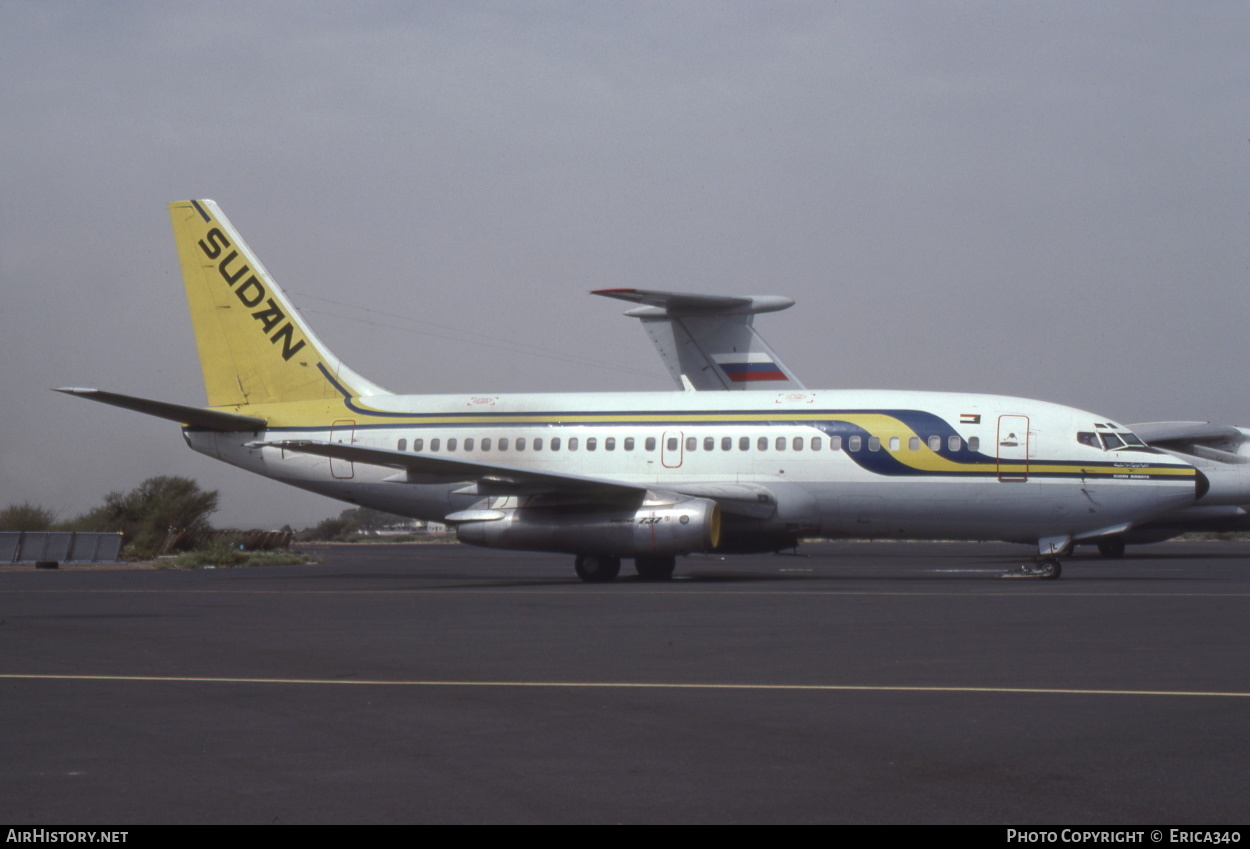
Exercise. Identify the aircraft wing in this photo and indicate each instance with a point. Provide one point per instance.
(708, 342)
(1172, 432)
(1219, 443)
(491, 478)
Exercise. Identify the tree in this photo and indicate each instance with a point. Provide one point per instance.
(351, 522)
(146, 514)
(368, 519)
(26, 517)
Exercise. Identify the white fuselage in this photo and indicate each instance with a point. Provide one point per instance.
(836, 463)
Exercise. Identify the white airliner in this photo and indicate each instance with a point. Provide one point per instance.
(647, 475)
(708, 343)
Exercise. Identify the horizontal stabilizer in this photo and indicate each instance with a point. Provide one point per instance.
(191, 416)
(674, 303)
(708, 342)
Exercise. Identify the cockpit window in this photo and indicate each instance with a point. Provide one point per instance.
(1110, 441)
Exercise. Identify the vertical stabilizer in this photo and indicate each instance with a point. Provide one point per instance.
(254, 346)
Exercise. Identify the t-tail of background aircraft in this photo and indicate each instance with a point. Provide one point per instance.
(647, 476)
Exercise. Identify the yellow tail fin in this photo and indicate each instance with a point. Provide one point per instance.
(254, 346)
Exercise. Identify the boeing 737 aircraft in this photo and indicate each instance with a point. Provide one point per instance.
(646, 475)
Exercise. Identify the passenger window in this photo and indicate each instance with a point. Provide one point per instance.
(629, 443)
(974, 443)
(894, 443)
(874, 443)
(816, 440)
(709, 443)
(854, 443)
(503, 443)
(650, 443)
(418, 444)
(835, 443)
(761, 444)
(591, 443)
(913, 443)
(434, 444)
(691, 443)
(520, 443)
(486, 444)
(609, 444)
(403, 445)
(935, 443)
(538, 444)
(555, 443)
(780, 443)
(726, 443)
(797, 443)
(954, 443)
(744, 443)
(451, 445)
(468, 444)
(572, 443)
(672, 443)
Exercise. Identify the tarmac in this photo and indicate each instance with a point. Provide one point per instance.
(862, 683)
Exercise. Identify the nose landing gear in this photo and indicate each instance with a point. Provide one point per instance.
(1047, 566)
(1044, 568)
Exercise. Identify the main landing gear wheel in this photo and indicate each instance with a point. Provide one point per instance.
(1049, 568)
(1046, 569)
(655, 568)
(1111, 547)
(597, 568)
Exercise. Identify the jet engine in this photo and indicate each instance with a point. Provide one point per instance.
(663, 530)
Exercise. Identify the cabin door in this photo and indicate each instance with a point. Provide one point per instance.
(1013, 448)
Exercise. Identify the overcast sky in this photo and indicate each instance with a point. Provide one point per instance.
(1045, 199)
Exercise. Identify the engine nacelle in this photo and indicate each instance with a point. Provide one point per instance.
(663, 530)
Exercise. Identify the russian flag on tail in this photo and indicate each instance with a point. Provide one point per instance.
(745, 368)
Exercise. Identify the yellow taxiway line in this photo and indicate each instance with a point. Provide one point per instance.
(626, 685)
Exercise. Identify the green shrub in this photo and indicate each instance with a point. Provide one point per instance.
(26, 517)
(223, 553)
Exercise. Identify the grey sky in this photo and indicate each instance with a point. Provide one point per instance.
(1043, 199)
